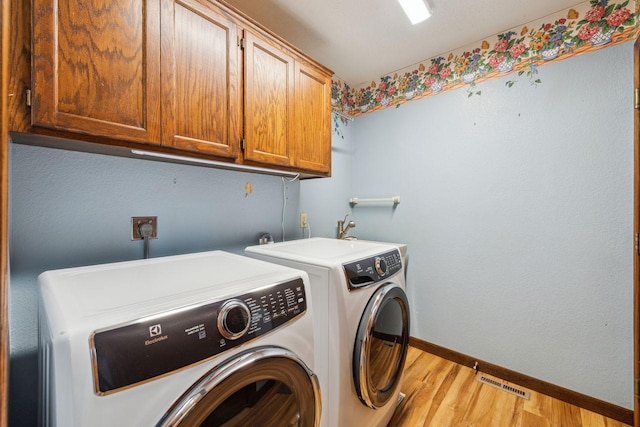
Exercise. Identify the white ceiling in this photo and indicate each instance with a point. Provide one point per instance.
(362, 40)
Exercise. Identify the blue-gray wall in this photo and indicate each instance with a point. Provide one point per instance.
(517, 210)
(327, 200)
(70, 209)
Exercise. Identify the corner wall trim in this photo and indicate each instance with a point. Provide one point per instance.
(601, 407)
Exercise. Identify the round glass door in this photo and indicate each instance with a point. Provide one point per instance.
(266, 386)
(381, 346)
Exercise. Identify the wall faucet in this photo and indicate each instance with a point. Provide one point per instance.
(342, 231)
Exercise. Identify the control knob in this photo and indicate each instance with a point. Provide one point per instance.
(234, 319)
(381, 266)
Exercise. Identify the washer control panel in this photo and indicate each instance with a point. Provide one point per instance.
(369, 271)
(134, 353)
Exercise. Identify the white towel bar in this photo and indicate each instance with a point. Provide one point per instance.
(355, 200)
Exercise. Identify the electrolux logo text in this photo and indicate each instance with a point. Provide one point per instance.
(155, 331)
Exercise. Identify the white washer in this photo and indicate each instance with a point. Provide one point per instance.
(361, 320)
(201, 339)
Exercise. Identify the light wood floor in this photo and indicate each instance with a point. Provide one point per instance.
(440, 393)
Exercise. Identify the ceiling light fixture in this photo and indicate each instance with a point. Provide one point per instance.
(416, 10)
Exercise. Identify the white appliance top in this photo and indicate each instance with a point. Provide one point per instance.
(136, 288)
(322, 251)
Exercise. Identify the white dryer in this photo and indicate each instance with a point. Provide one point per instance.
(201, 339)
(361, 320)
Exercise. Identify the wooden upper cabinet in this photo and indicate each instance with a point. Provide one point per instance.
(201, 104)
(96, 67)
(269, 96)
(173, 73)
(312, 136)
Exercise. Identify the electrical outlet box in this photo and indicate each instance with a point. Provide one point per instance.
(303, 220)
(136, 221)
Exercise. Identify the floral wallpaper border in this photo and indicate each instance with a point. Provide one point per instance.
(589, 26)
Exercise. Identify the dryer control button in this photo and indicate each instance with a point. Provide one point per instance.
(381, 266)
(234, 319)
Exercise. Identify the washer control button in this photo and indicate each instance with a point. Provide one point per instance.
(234, 319)
(381, 266)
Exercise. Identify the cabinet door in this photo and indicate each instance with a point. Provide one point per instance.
(312, 141)
(269, 91)
(96, 67)
(201, 97)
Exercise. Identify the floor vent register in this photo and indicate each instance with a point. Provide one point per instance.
(502, 385)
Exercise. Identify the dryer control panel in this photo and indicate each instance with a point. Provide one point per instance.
(135, 353)
(369, 271)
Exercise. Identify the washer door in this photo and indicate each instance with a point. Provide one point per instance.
(381, 346)
(267, 386)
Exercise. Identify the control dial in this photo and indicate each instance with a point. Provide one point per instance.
(381, 266)
(234, 319)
